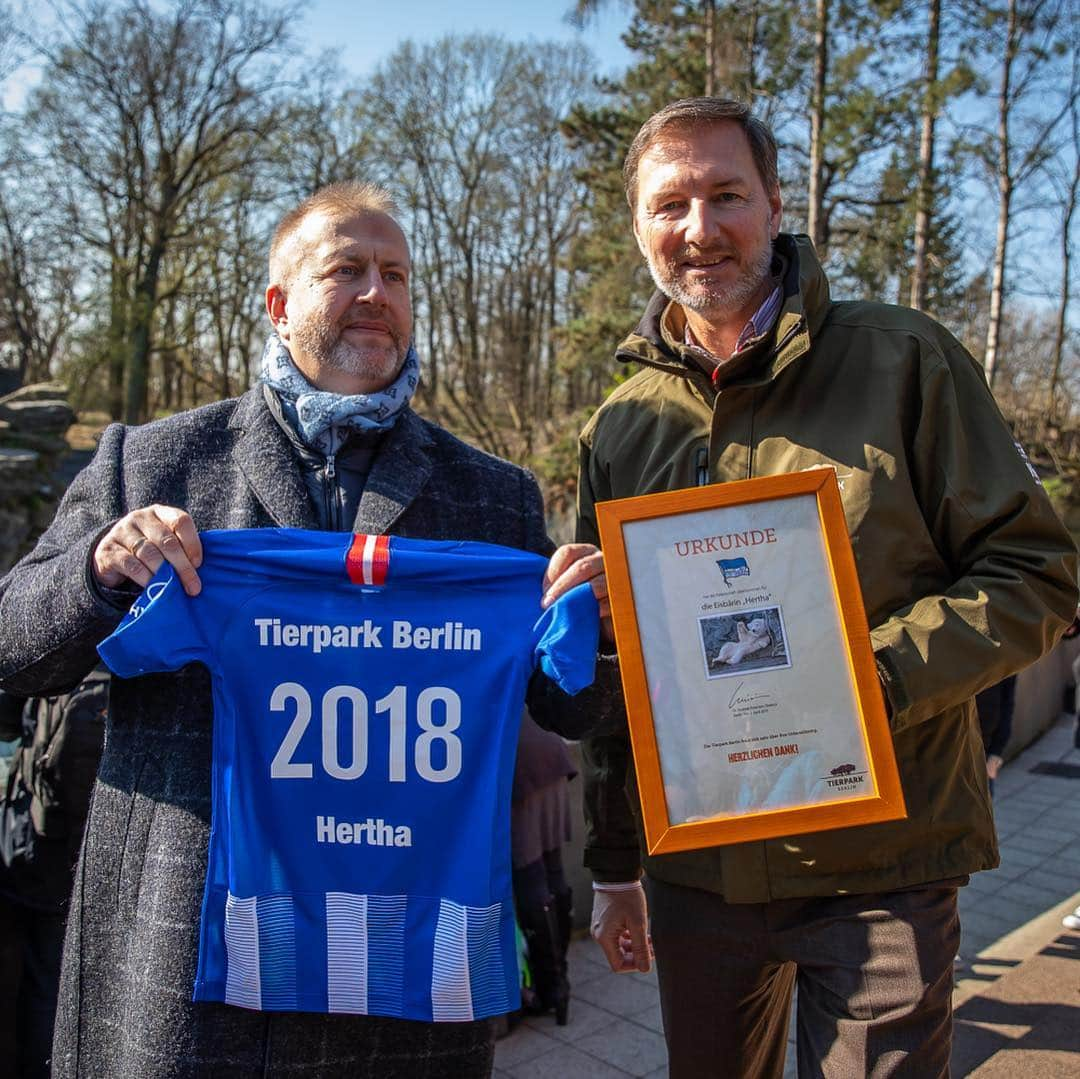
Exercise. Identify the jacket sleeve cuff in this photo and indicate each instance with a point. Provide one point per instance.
(616, 886)
(612, 866)
(892, 688)
(111, 599)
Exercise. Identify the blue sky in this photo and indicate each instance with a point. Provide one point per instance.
(366, 31)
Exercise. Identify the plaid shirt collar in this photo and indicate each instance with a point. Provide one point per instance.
(759, 324)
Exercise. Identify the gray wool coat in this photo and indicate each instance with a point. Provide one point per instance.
(125, 1006)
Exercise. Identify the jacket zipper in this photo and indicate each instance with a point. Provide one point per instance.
(702, 459)
(330, 494)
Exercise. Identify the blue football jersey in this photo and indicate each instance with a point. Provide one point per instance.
(367, 693)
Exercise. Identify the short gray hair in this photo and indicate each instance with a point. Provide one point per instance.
(696, 112)
(347, 197)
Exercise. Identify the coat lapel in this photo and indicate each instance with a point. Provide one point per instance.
(398, 474)
(266, 460)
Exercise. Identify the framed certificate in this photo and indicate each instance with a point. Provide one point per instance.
(753, 699)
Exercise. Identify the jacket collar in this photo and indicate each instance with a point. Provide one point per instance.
(804, 310)
(267, 460)
(398, 474)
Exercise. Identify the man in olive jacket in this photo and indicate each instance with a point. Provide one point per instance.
(749, 369)
(326, 441)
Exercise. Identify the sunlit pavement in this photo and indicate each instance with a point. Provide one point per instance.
(1017, 1000)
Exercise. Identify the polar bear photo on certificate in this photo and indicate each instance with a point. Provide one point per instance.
(752, 637)
(743, 642)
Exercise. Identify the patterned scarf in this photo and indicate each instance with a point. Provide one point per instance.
(324, 420)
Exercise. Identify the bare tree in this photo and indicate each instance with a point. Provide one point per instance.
(815, 224)
(1028, 45)
(37, 289)
(316, 139)
(179, 98)
(924, 190)
(474, 139)
(1069, 190)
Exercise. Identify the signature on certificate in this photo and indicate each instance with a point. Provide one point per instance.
(739, 697)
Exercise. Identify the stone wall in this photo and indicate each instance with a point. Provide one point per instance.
(33, 422)
(1041, 695)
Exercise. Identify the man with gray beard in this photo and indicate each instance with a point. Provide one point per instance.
(747, 369)
(327, 440)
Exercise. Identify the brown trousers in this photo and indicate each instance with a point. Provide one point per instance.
(874, 974)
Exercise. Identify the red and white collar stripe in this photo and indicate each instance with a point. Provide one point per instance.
(368, 559)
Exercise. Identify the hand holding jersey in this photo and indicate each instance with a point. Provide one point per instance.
(574, 564)
(137, 545)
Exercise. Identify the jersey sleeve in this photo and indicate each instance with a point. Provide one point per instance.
(568, 633)
(164, 629)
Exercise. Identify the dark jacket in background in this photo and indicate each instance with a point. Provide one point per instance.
(995, 707)
(46, 799)
(47, 792)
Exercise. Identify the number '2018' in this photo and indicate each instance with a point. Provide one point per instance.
(395, 705)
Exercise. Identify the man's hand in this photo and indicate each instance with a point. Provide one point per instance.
(574, 564)
(135, 547)
(993, 766)
(620, 927)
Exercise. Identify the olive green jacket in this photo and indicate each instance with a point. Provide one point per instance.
(966, 573)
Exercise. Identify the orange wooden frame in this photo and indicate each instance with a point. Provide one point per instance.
(884, 802)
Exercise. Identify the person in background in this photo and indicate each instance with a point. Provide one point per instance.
(539, 826)
(1072, 920)
(45, 804)
(1073, 692)
(995, 707)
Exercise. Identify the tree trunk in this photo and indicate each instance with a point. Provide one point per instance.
(815, 222)
(925, 192)
(1066, 266)
(1005, 187)
(169, 361)
(138, 381)
(710, 47)
(118, 339)
(751, 52)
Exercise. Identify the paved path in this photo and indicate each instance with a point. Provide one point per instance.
(1018, 988)
(1018, 983)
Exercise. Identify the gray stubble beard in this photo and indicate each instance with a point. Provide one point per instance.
(715, 302)
(381, 363)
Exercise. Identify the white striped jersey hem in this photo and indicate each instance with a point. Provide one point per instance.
(366, 948)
